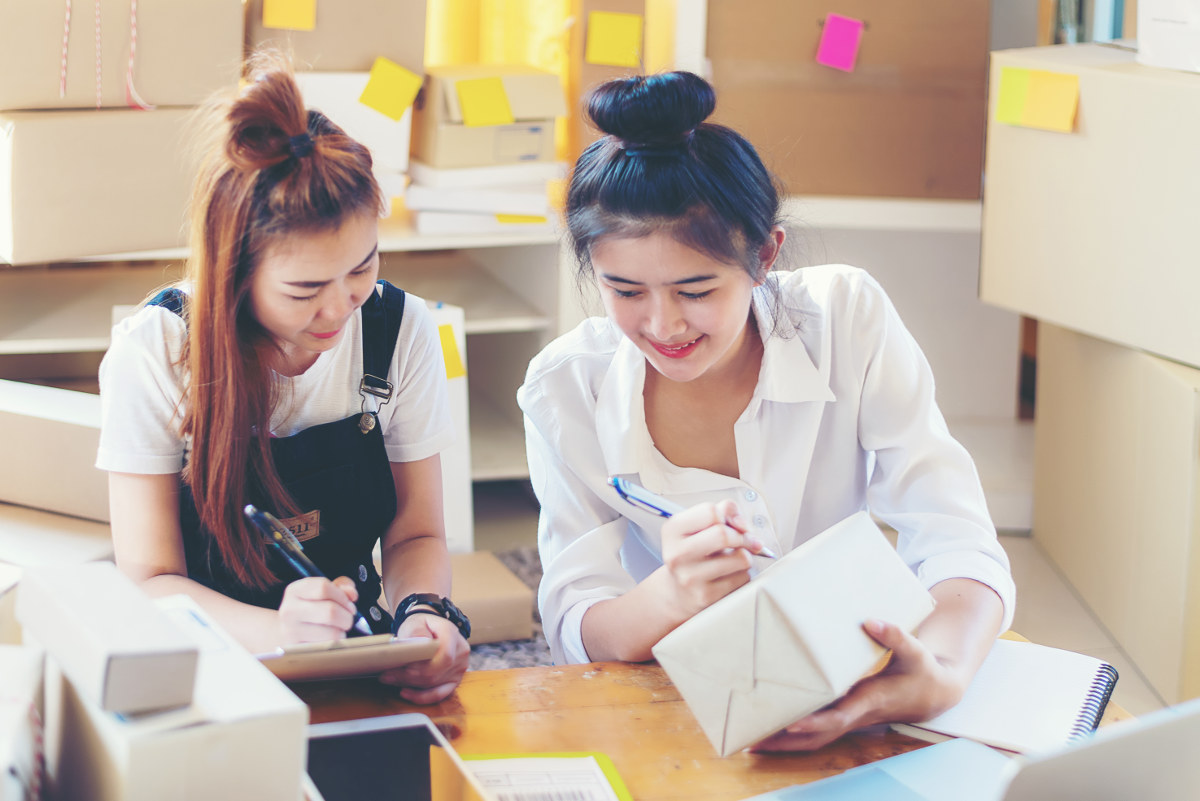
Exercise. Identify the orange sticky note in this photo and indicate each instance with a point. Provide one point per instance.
(1051, 101)
(292, 15)
(520, 219)
(390, 89)
(614, 39)
(454, 363)
(484, 102)
(1014, 87)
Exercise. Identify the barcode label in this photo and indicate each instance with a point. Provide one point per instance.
(570, 794)
(543, 779)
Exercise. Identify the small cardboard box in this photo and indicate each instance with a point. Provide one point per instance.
(584, 74)
(21, 712)
(442, 139)
(121, 652)
(908, 121)
(185, 50)
(498, 603)
(1092, 230)
(1168, 34)
(347, 35)
(90, 183)
(336, 95)
(62, 427)
(243, 736)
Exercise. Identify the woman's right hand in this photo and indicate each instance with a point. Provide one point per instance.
(706, 554)
(317, 609)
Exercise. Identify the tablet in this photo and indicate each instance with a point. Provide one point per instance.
(389, 758)
(345, 659)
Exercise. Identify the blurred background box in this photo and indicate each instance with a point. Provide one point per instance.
(498, 603)
(21, 711)
(1168, 34)
(908, 121)
(442, 139)
(56, 431)
(336, 95)
(186, 50)
(1117, 496)
(1093, 230)
(75, 184)
(122, 653)
(583, 74)
(348, 35)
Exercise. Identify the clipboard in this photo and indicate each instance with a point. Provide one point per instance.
(345, 659)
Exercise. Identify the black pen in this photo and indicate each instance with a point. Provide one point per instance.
(643, 498)
(283, 539)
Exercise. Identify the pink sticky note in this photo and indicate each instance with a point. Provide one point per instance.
(840, 38)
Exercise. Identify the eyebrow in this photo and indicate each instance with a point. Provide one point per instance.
(695, 279)
(319, 284)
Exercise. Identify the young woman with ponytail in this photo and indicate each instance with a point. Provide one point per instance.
(769, 404)
(280, 373)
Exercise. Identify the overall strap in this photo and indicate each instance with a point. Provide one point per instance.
(172, 299)
(381, 318)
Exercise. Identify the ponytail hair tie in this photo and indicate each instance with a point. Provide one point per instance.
(300, 145)
(677, 147)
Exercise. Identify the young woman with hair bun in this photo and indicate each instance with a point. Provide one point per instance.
(280, 373)
(769, 404)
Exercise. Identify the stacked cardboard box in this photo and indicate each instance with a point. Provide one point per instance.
(111, 178)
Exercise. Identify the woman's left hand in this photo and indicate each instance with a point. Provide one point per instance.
(913, 686)
(433, 679)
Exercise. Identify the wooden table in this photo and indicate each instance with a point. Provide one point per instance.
(631, 712)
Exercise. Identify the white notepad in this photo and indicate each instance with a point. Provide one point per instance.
(1026, 698)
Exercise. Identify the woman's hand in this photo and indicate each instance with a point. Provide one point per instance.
(317, 609)
(914, 686)
(433, 679)
(706, 554)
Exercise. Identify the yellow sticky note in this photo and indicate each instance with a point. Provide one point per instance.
(614, 39)
(1010, 103)
(454, 363)
(1051, 101)
(390, 89)
(519, 219)
(292, 15)
(484, 102)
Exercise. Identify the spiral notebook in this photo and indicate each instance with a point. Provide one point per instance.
(1026, 698)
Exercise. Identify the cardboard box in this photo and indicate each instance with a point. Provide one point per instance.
(1117, 496)
(1092, 230)
(186, 50)
(21, 711)
(1168, 34)
(121, 652)
(58, 432)
(441, 139)
(583, 75)
(907, 122)
(10, 630)
(498, 603)
(89, 183)
(32, 537)
(336, 95)
(348, 35)
(242, 737)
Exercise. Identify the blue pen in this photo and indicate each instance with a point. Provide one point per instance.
(278, 535)
(645, 499)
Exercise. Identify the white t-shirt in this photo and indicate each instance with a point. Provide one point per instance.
(843, 419)
(141, 386)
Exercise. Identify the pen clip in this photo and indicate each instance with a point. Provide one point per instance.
(623, 489)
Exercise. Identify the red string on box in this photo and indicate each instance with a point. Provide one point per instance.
(132, 98)
(62, 71)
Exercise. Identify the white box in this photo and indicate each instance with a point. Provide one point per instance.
(21, 755)
(1092, 230)
(1168, 34)
(242, 737)
(121, 652)
(56, 432)
(459, 509)
(336, 94)
(10, 630)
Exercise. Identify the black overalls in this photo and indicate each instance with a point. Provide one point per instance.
(338, 475)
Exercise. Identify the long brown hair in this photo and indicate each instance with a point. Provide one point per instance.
(271, 168)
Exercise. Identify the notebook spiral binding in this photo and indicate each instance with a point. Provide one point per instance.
(1095, 702)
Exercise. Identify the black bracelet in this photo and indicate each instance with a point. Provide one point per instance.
(442, 607)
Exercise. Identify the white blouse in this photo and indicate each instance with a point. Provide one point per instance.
(843, 419)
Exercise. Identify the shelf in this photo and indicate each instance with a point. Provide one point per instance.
(396, 235)
(497, 444)
(884, 214)
(68, 309)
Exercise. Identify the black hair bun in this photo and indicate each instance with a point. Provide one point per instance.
(653, 109)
